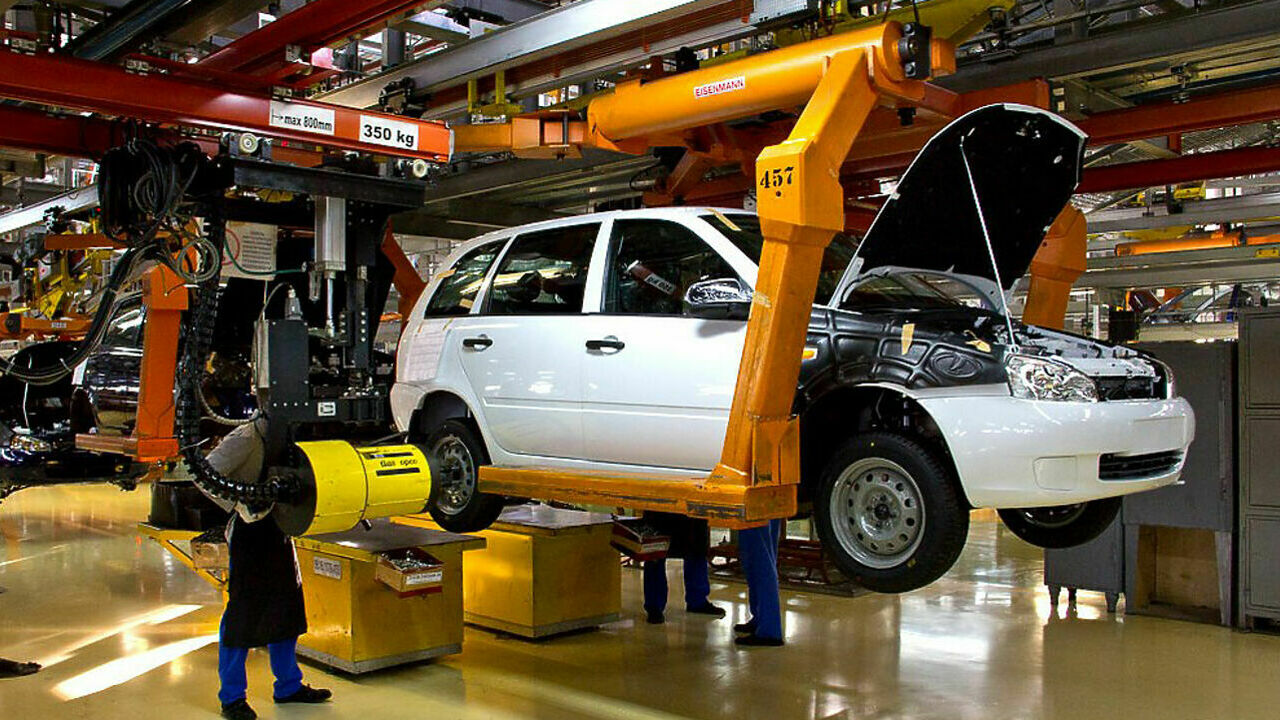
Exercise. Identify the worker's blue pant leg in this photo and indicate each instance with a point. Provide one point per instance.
(697, 583)
(284, 665)
(758, 551)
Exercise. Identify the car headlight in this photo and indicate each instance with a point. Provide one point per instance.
(1032, 378)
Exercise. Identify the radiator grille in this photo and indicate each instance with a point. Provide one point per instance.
(1137, 467)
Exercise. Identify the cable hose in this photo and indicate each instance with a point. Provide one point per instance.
(217, 417)
(97, 329)
(198, 345)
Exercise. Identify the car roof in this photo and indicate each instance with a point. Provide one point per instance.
(671, 213)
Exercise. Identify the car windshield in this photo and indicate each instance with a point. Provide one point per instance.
(743, 230)
(912, 290)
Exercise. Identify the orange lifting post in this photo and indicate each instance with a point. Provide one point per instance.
(839, 80)
(165, 297)
(1055, 268)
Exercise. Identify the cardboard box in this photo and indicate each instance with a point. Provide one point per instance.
(639, 541)
(410, 572)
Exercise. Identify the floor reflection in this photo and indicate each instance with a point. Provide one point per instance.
(128, 632)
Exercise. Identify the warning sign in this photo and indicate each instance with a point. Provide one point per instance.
(250, 251)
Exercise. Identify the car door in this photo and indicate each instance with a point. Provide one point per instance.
(522, 354)
(659, 381)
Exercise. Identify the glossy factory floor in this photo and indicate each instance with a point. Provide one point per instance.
(127, 632)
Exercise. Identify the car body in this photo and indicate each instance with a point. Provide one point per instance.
(38, 433)
(579, 344)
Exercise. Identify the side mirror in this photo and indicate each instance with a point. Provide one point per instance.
(719, 299)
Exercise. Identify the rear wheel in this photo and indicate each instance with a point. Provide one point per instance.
(1061, 526)
(889, 512)
(455, 501)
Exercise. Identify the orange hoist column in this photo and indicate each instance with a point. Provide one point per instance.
(165, 298)
(838, 80)
(1055, 268)
(801, 206)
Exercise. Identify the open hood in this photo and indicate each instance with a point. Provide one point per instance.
(1025, 163)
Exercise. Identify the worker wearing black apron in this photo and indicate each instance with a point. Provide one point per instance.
(264, 606)
(690, 539)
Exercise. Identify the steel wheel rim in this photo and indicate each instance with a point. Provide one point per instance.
(457, 474)
(877, 512)
(1055, 517)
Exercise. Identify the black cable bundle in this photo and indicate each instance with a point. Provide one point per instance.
(141, 189)
(199, 341)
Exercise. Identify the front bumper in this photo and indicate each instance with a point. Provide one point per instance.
(1027, 453)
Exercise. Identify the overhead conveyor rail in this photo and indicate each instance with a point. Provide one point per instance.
(106, 89)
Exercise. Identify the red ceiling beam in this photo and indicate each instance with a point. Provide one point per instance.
(1205, 112)
(312, 26)
(1188, 168)
(97, 87)
(71, 135)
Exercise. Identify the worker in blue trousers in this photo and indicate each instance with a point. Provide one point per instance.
(758, 552)
(690, 540)
(265, 606)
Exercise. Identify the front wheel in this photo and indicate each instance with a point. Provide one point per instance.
(890, 513)
(456, 502)
(1061, 526)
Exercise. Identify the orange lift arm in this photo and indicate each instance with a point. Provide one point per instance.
(838, 80)
(1055, 268)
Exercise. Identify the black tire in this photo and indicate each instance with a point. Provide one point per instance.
(1061, 526)
(911, 519)
(456, 453)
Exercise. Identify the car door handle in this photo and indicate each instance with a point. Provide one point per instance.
(477, 343)
(610, 342)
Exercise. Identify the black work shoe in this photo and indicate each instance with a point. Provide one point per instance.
(757, 641)
(306, 694)
(746, 628)
(13, 668)
(706, 609)
(655, 618)
(239, 710)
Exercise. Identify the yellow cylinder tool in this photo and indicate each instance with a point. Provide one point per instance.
(343, 484)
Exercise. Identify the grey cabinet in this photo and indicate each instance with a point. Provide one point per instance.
(1170, 551)
(1259, 512)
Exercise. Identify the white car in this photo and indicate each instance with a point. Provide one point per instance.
(611, 342)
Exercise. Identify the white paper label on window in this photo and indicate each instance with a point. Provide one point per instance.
(392, 133)
(296, 116)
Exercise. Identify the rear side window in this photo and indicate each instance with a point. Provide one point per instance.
(544, 272)
(653, 263)
(457, 291)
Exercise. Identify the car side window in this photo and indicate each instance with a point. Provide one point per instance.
(544, 272)
(125, 329)
(457, 291)
(652, 264)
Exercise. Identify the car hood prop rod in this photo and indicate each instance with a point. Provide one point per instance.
(991, 251)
